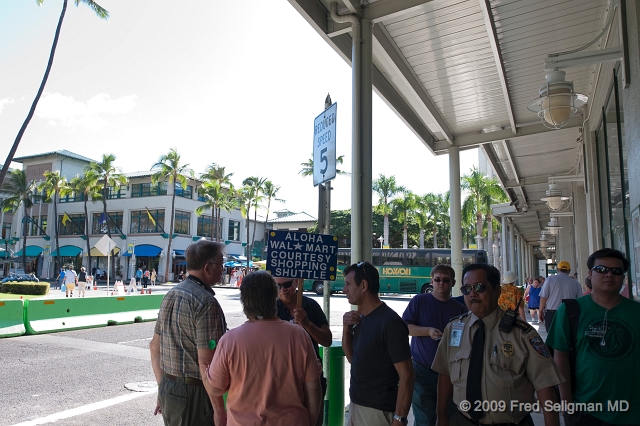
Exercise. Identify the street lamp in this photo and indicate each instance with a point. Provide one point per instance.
(381, 240)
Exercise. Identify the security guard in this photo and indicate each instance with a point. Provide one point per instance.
(491, 362)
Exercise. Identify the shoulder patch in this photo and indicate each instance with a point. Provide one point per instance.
(459, 317)
(523, 325)
(538, 345)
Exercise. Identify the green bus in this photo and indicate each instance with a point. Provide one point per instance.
(401, 270)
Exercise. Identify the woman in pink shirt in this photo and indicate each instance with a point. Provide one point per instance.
(268, 366)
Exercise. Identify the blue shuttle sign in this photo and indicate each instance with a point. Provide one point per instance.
(302, 255)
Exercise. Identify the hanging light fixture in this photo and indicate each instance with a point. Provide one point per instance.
(543, 241)
(554, 226)
(554, 198)
(557, 102)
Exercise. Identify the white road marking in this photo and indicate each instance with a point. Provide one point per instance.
(52, 418)
(136, 340)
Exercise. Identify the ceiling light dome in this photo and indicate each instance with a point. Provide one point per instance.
(553, 226)
(557, 102)
(554, 198)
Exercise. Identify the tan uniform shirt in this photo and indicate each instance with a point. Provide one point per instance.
(515, 364)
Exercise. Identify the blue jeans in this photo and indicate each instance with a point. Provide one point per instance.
(425, 396)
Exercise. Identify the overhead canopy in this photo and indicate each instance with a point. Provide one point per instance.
(65, 251)
(145, 250)
(179, 252)
(32, 251)
(96, 253)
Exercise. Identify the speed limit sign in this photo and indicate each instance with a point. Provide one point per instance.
(324, 146)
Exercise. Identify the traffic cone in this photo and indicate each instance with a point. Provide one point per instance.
(20, 297)
(142, 291)
(148, 291)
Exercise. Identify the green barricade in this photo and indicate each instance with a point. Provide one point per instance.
(334, 412)
(11, 318)
(51, 315)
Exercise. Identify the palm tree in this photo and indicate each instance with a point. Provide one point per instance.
(422, 217)
(307, 168)
(217, 174)
(405, 206)
(102, 13)
(170, 169)
(386, 188)
(211, 192)
(20, 190)
(270, 192)
(438, 207)
(88, 185)
(110, 177)
(255, 187)
(52, 186)
(482, 193)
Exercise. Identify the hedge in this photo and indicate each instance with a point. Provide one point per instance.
(25, 287)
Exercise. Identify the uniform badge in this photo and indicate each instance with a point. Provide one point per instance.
(540, 347)
(507, 349)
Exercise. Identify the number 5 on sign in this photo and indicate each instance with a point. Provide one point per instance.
(324, 146)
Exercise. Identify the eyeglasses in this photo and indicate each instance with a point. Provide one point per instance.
(478, 287)
(286, 284)
(601, 269)
(443, 280)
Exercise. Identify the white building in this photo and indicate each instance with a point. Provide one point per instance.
(137, 218)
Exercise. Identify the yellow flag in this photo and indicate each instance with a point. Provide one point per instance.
(65, 219)
(151, 217)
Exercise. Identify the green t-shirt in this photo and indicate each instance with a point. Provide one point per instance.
(604, 373)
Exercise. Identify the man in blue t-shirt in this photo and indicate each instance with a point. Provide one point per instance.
(427, 315)
(607, 338)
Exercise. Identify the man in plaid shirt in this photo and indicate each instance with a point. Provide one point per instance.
(190, 323)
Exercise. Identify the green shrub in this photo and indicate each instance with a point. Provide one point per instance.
(25, 287)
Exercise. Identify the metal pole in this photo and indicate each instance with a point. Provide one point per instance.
(454, 212)
(512, 247)
(503, 245)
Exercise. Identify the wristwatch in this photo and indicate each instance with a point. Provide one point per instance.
(402, 420)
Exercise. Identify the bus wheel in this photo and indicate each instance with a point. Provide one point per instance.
(427, 288)
(318, 287)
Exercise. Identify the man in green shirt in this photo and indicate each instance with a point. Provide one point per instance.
(607, 348)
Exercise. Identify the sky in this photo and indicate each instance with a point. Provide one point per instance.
(236, 83)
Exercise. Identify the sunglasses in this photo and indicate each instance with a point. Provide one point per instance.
(286, 284)
(478, 287)
(441, 280)
(604, 269)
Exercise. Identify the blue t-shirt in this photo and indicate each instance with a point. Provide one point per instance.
(139, 273)
(425, 310)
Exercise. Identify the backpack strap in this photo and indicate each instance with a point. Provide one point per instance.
(573, 315)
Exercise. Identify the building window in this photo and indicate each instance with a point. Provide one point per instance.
(142, 224)
(6, 230)
(204, 226)
(234, 230)
(75, 226)
(185, 193)
(116, 192)
(182, 222)
(112, 224)
(148, 189)
(34, 221)
(200, 194)
(70, 198)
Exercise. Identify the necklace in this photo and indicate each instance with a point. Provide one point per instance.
(605, 328)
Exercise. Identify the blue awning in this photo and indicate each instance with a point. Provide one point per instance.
(145, 250)
(179, 252)
(65, 251)
(32, 251)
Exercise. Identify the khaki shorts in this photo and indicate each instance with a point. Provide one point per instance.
(71, 287)
(366, 416)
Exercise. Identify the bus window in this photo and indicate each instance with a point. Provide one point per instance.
(422, 259)
(392, 257)
(440, 259)
(344, 258)
(481, 256)
(467, 260)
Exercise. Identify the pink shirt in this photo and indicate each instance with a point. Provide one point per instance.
(265, 365)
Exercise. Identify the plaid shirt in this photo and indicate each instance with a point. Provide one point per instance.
(189, 318)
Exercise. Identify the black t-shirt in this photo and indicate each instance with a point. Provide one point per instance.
(82, 276)
(379, 341)
(314, 313)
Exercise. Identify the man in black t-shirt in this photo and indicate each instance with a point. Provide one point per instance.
(375, 341)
